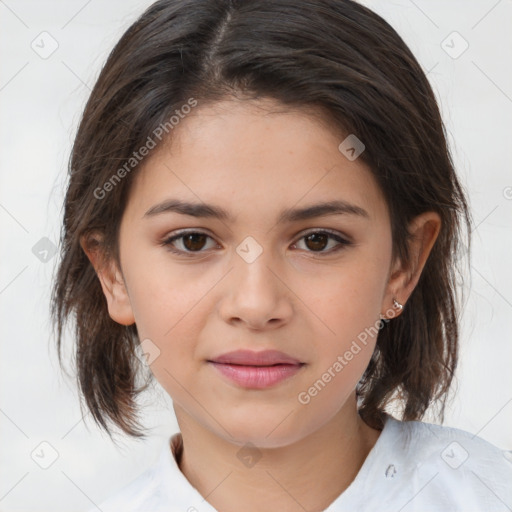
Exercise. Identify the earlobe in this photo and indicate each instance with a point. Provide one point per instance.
(424, 230)
(111, 280)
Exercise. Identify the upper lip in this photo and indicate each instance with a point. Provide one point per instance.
(251, 358)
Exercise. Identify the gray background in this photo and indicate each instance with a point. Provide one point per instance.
(41, 98)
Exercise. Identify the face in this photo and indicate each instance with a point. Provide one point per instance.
(259, 277)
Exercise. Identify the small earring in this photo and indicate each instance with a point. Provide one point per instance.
(397, 304)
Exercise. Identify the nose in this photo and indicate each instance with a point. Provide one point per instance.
(256, 295)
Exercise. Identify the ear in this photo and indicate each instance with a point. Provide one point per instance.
(111, 279)
(424, 230)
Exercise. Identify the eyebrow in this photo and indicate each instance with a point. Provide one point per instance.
(203, 210)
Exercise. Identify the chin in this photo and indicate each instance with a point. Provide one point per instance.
(266, 432)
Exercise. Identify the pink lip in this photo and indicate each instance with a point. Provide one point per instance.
(257, 369)
(250, 358)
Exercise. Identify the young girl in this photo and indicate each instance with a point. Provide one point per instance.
(263, 214)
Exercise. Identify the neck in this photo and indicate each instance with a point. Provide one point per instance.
(308, 474)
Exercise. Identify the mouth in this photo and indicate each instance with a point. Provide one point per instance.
(256, 365)
(266, 358)
(256, 370)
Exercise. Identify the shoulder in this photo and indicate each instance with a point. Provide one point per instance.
(131, 497)
(456, 448)
(446, 468)
(142, 493)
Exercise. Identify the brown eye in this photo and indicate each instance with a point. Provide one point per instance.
(188, 243)
(317, 241)
(194, 241)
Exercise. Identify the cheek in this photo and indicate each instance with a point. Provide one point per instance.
(344, 306)
(346, 298)
(174, 323)
(164, 296)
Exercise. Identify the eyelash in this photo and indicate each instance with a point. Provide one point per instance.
(167, 243)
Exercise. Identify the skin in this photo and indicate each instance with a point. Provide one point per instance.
(254, 163)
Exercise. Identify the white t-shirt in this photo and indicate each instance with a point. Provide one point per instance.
(413, 466)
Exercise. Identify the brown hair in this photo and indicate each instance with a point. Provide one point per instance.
(334, 56)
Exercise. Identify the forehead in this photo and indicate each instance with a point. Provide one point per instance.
(254, 158)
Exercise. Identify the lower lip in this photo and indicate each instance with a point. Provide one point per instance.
(257, 377)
